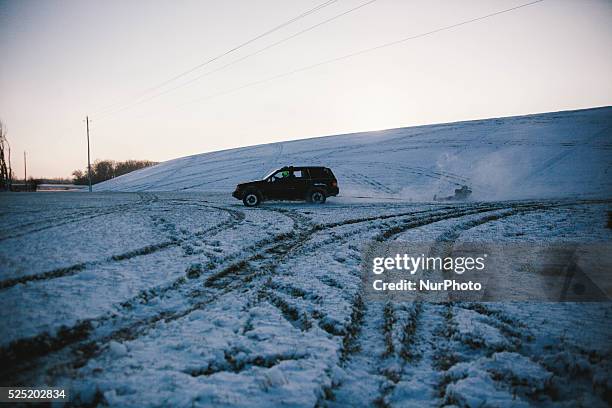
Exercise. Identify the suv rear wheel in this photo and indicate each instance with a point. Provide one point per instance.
(317, 196)
(251, 199)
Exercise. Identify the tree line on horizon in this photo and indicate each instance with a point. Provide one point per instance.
(102, 170)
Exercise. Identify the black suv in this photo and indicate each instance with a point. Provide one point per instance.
(313, 184)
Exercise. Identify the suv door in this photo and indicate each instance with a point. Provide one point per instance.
(301, 183)
(279, 187)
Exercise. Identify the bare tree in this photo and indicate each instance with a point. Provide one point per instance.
(5, 170)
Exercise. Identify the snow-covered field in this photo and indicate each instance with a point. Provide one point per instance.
(187, 298)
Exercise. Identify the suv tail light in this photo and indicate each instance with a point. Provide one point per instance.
(334, 184)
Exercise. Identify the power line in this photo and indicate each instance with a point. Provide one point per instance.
(192, 80)
(364, 51)
(231, 50)
(353, 54)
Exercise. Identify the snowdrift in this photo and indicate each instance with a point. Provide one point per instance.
(561, 154)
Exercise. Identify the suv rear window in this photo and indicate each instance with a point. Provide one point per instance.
(320, 172)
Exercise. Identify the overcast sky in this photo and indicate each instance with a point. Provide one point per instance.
(62, 60)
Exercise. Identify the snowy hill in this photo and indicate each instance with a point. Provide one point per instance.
(544, 155)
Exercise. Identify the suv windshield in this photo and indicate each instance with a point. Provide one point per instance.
(282, 174)
(267, 176)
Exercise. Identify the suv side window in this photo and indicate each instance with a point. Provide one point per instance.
(280, 175)
(318, 173)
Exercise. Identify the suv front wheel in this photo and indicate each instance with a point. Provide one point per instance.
(251, 199)
(317, 196)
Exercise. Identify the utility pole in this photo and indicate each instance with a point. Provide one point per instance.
(25, 169)
(88, 156)
(10, 168)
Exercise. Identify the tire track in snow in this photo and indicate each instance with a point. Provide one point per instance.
(513, 335)
(605, 132)
(365, 314)
(357, 351)
(368, 182)
(235, 218)
(84, 343)
(13, 228)
(72, 220)
(294, 304)
(82, 214)
(80, 267)
(121, 327)
(431, 331)
(73, 347)
(437, 332)
(296, 315)
(26, 349)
